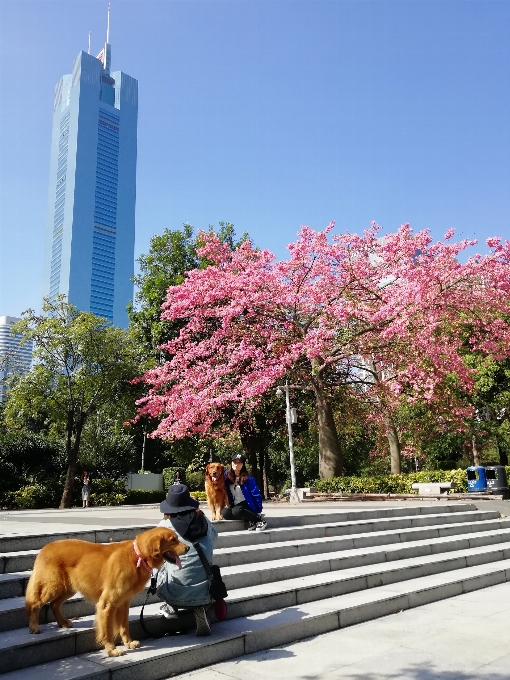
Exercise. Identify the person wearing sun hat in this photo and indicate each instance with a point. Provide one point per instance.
(187, 587)
(243, 495)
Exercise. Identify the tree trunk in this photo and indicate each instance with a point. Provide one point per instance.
(249, 442)
(394, 443)
(331, 463)
(503, 457)
(72, 450)
(476, 450)
(263, 476)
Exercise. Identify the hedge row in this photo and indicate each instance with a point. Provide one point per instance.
(194, 480)
(394, 483)
(105, 492)
(112, 492)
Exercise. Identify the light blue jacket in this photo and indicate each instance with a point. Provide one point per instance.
(187, 587)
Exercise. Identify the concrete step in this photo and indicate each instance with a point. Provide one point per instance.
(11, 543)
(242, 576)
(234, 638)
(12, 613)
(259, 599)
(299, 562)
(14, 584)
(336, 525)
(228, 557)
(345, 527)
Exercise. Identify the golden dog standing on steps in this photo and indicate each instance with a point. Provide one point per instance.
(215, 489)
(109, 575)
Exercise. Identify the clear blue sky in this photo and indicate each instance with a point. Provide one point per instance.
(270, 114)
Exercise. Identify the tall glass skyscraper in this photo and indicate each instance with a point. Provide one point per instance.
(91, 210)
(14, 357)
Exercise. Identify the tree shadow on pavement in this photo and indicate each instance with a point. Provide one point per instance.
(411, 672)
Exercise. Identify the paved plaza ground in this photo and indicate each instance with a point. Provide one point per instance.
(462, 638)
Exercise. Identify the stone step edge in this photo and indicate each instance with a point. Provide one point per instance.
(6, 558)
(364, 576)
(284, 530)
(246, 539)
(152, 663)
(383, 552)
(236, 557)
(292, 521)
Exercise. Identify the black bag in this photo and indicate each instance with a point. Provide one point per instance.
(217, 589)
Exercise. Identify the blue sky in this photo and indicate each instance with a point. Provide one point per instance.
(270, 114)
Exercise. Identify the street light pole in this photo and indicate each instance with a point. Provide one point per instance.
(294, 497)
(143, 450)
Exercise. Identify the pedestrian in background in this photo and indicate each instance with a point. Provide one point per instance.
(85, 489)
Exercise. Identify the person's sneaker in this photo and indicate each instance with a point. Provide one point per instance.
(203, 627)
(261, 526)
(252, 526)
(167, 611)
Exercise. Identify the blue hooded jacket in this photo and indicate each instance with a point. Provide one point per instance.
(250, 491)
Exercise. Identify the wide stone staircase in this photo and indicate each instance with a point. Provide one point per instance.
(304, 576)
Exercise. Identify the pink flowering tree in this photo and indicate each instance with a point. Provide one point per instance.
(337, 306)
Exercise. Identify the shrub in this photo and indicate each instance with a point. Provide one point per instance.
(108, 492)
(169, 476)
(199, 495)
(140, 496)
(391, 483)
(195, 481)
(30, 497)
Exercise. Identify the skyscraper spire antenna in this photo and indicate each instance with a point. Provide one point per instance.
(108, 25)
(90, 33)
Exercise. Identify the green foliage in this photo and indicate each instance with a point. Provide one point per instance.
(199, 495)
(108, 492)
(401, 484)
(144, 496)
(107, 447)
(30, 497)
(170, 256)
(83, 363)
(27, 458)
(169, 476)
(195, 480)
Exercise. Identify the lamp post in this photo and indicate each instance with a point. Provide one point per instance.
(294, 497)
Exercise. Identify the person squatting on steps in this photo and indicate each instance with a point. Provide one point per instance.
(243, 495)
(188, 587)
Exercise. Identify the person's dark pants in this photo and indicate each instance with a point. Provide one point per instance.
(240, 511)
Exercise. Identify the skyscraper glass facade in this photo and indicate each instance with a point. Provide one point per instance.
(91, 212)
(14, 357)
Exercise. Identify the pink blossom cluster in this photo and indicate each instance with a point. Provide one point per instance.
(400, 305)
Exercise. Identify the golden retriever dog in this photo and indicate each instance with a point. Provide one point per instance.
(109, 575)
(215, 489)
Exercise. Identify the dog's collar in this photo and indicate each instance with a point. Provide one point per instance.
(141, 561)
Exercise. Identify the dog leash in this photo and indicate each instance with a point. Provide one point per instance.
(151, 590)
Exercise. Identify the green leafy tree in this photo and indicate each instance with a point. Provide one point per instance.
(170, 256)
(82, 362)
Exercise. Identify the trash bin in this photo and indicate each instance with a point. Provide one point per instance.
(496, 479)
(476, 478)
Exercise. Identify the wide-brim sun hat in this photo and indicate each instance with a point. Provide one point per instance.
(178, 500)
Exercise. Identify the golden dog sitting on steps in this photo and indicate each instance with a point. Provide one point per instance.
(109, 575)
(215, 489)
